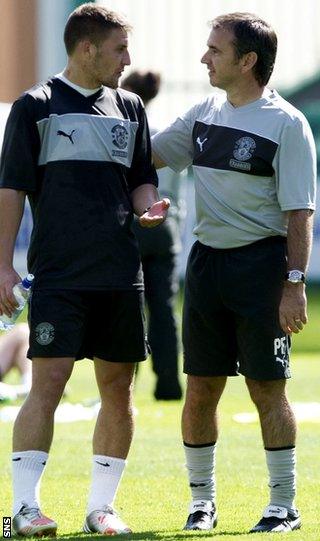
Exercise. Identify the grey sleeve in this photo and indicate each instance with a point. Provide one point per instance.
(296, 166)
(174, 144)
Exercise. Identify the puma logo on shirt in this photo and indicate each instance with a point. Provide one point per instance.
(201, 143)
(68, 135)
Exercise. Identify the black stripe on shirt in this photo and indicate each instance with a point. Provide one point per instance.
(230, 149)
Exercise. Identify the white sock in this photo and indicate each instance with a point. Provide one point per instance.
(27, 469)
(282, 476)
(201, 471)
(106, 476)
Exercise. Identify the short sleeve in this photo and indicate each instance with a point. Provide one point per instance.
(20, 149)
(295, 165)
(174, 145)
(142, 170)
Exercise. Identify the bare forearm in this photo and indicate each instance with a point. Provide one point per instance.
(11, 210)
(299, 239)
(144, 197)
(293, 305)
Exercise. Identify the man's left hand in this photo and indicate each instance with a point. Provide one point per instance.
(293, 308)
(156, 214)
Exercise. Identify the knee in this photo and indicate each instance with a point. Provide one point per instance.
(266, 394)
(203, 391)
(118, 388)
(49, 389)
(59, 378)
(117, 396)
(122, 387)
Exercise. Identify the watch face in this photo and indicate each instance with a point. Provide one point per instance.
(295, 276)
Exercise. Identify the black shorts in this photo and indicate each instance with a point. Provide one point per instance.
(108, 325)
(230, 318)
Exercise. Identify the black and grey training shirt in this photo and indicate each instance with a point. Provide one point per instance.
(79, 158)
(251, 164)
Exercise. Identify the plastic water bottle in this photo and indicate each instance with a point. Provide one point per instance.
(21, 292)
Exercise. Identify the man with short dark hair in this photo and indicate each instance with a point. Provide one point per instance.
(79, 148)
(253, 158)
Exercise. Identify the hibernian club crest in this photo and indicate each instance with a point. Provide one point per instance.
(244, 148)
(119, 136)
(44, 333)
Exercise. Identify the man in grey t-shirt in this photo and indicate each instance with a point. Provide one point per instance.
(253, 158)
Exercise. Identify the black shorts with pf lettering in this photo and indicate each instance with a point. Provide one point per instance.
(108, 325)
(231, 311)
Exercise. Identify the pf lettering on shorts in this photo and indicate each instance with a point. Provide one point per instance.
(280, 345)
(6, 527)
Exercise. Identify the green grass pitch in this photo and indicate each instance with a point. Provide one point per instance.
(153, 497)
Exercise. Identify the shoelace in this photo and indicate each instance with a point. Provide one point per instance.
(30, 512)
(275, 520)
(200, 515)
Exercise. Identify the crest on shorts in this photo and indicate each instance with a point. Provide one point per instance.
(44, 333)
(244, 148)
(119, 136)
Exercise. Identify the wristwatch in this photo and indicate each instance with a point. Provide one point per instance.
(295, 276)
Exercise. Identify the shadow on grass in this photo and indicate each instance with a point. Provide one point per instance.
(152, 535)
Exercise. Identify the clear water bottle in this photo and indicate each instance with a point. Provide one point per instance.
(21, 292)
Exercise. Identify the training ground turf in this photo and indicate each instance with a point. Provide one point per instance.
(153, 497)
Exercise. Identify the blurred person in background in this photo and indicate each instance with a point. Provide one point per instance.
(158, 249)
(253, 157)
(80, 148)
(13, 355)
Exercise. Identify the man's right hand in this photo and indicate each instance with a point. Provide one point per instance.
(8, 278)
(293, 308)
